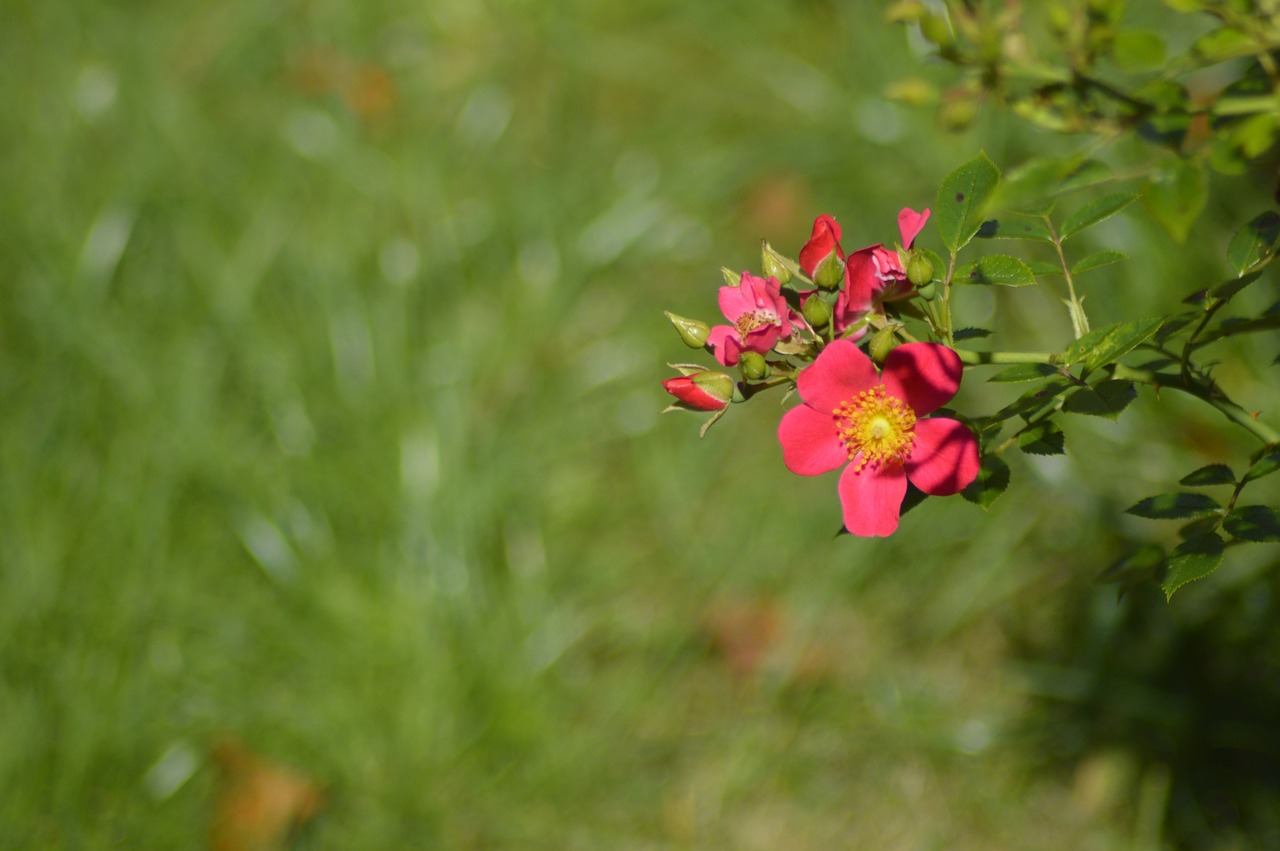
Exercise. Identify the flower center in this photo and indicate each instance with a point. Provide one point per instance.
(753, 319)
(876, 426)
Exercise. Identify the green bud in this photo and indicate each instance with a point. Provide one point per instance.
(693, 332)
(753, 365)
(830, 272)
(919, 270)
(927, 291)
(882, 342)
(935, 29)
(958, 114)
(816, 312)
(773, 265)
(904, 12)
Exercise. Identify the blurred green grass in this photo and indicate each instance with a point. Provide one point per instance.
(329, 344)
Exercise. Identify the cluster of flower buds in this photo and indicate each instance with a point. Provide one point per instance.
(802, 324)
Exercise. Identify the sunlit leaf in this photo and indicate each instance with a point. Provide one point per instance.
(1254, 242)
(1104, 345)
(997, 269)
(1023, 372)
(1034, 401)
(1096, 211)
(1097, 261)
(1175, 506)
(1222, 44)
(1193, 559)
(1136, 50)
(961, 199)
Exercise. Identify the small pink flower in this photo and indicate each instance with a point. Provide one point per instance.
(824, 242)
(874, 274)
(873, 424)
(760, 318)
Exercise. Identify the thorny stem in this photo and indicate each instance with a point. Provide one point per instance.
(1075, 305)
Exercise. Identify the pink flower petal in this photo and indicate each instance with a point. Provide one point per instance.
(810, 444)
(871, 499)
(944, 459)
(839, 373)
(725, 344)
(860, 280)
(924, 375)
(910, 223)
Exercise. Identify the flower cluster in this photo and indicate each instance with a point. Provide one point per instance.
(800, 325)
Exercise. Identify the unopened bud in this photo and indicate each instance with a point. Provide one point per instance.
(958, 114)
(935, 29)
(830, 272)
(753, 365)
(816, 312)
(693, 332)
(919, 269)
(882, 342)
(702, 391)
(927, 291)
(772, 265)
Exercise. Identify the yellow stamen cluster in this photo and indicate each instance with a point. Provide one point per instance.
(877, 426)
(753, 319)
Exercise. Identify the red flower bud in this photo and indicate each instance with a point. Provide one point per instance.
(824, 243)
(702, 391)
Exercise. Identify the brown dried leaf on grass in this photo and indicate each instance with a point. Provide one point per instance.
(260, 803)
(755, 636)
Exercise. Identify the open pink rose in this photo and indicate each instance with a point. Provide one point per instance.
(874, 274)
(760, 318)
(873, 424)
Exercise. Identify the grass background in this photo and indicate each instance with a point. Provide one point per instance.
(330, 338)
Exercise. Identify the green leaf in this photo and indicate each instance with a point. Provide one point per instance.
(992, 480)
(1222, 44)
(996, 269)
(1175, 506)
(1137, 50)
(1096, 211)
(1229, 289)
(961, 198)
(1034, 401)
(1254, 523)
(1212, 474)
(1175, 195)
(1023, 372)
(1254, 242)
(1016, 227)
(962, 334)
(1264, 466)
(1040, 268)
(1104, 399)
(1104, 345)
(1042, 438)
(1192, 560)
(1135, 567)
(1097, 261)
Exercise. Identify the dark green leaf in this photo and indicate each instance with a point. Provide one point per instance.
(1097, 261)
(962, 334)
(997, 269)
(1136, 566)
(1222, 44)
(1175, 506)
(1175, 195)
(1023, 372)
(1034, 401)
(1042, 438)
(913, 497)
(1226, 290)
(1193, 559)
(1178, 322)
(1104, 345)
(1264, 466)
(1212, 474)
(1254, 242)
(961, 198)
(1199, 528)
(1016, 227)
(1254, 523)
(1104, 399)
(993, 478)
(1096, 211)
